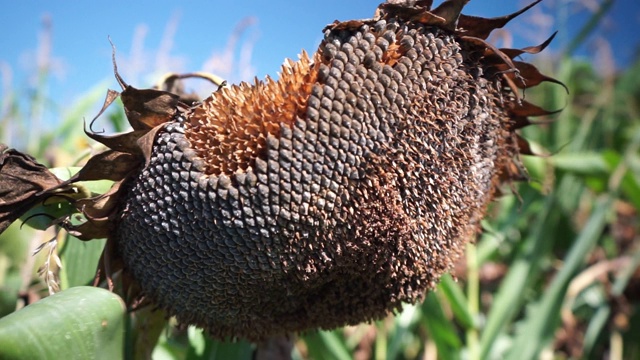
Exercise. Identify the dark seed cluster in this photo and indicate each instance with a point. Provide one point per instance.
(359, 205)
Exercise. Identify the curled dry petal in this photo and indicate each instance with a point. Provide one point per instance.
(512, 53)
(482, 28)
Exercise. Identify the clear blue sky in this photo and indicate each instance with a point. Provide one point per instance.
(277, 29)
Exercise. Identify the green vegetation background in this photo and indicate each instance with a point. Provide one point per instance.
(554, 275)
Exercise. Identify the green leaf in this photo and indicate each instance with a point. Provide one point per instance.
(583, 163)
(327, 345)
(400, 335)
(14, 250)
(78, 323)
(79, 261)
(596, 325)
(202, 346)
(219, 350)
(40, 217)
(457, 300)
(523, 269)
(440, 328)
(541, 323)
(93, 187)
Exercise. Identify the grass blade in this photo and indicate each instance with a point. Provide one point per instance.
(541, 322)
(440, 329)
(510, 296)
(327, 345)
(457, 300)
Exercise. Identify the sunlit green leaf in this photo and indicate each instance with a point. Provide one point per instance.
(78, 323)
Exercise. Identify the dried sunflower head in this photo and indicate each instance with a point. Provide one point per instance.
(328, 197)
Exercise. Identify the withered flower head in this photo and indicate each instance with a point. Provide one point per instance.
(328, 197)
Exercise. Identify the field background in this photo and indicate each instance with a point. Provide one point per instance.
(555, 274)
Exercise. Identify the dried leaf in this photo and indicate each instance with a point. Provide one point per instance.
(429, 18)
(145, 143)
(173, 83)
(112, 95)
(90, 230)
(108, 165)
(527, 75)
(522, 121)
(482, 28)
(523, 146)
(97, 210)
(100, 206)
(450, 11)
(513, 171)
(417, 14)
(491, 50)
(514, 88)
(526, 108)
(512, 53)
(346, 25)
(148, 108)
(105, 271)
(425, 4)
(125, 142)
(167, 83)
(406, 3)
(23, 183)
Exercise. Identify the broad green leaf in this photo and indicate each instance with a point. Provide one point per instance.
(93, 187)
(79, 261)
(40, 216)
(78, 323)
(14, 251)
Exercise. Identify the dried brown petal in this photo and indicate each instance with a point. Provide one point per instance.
(527, 75)
(450, 11)
(125, 142)
(148, 108)
(512, 53)
(100, 206)
(482, 28)
(526, 108)
(112, 95)
(108, 165)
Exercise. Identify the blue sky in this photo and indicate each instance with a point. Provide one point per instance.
(154, 37)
